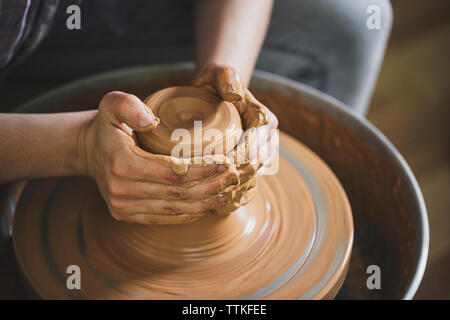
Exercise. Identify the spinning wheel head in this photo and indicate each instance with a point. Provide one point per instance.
(292, 241)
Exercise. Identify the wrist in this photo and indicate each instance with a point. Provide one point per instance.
(79, 160)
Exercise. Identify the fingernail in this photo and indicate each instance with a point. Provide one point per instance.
(222, 198)
(146, 122)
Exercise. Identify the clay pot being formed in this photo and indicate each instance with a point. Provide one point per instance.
(179, 109)
(292, 241)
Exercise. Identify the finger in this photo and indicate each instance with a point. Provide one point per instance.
(224, 79)
(273, 120)
(229, 84)
(128, 189)
(213, 186)
(255, 113)
(270, 166)
(165, 207)
(207, 76)
(141, 166)
(156, 219)
(199, 172)
(268, 152)
(119, 107)
(257, 145)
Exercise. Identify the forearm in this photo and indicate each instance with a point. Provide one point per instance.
(231, 33)
(41, 145)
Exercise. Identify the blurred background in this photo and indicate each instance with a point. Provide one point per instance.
(411, 106)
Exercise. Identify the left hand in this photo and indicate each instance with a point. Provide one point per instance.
(256, 117)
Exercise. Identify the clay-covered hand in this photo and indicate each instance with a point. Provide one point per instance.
(260, 137)
(136, 188)
(258, 121)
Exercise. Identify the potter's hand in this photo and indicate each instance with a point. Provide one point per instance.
(134, 186)
(258, 120)
(259, 141)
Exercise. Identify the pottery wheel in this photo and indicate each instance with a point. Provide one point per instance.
(292, 241)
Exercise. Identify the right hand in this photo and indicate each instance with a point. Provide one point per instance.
(138, 189)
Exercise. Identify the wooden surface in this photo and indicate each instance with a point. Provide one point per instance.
(411, 106)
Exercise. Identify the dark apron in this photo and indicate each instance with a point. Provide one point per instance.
(114, 34)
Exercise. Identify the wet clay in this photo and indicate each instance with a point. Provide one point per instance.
(292, 241)
(178, 108)
(371, 180)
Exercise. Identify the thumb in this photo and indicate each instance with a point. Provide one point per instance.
(229, 84)
(120, 107)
